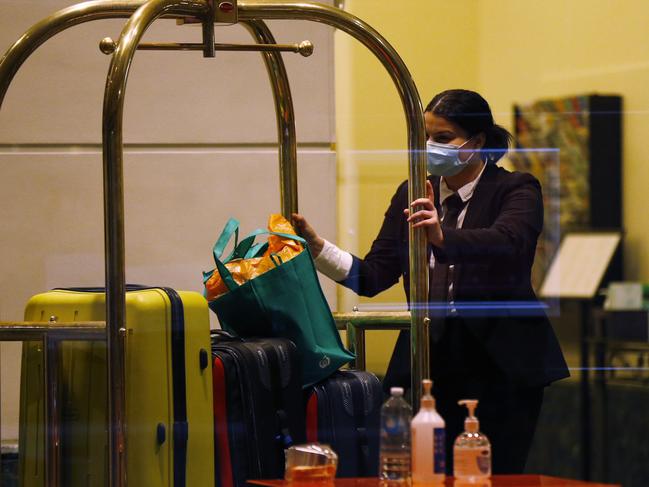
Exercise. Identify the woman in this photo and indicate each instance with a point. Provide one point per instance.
(482, 223)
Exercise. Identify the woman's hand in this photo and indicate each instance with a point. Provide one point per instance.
(427, 217)
(307, 232)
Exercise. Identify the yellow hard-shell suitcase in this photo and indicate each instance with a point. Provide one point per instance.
(169, 430)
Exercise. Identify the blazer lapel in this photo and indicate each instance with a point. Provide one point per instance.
(481, 198)
(475, 212)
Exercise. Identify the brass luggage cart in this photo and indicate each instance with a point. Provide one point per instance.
(141, 14)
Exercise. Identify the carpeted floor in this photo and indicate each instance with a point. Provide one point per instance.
(620, 446)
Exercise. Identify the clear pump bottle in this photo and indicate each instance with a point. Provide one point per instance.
(472, 450)
(428, 442)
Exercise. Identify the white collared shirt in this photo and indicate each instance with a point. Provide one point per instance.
(335, 263)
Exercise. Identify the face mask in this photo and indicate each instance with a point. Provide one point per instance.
(444, 159)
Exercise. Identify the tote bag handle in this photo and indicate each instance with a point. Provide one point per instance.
(231, 228)
(246, 249)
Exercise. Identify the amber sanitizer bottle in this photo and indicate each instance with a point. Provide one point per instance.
(428, 442)
(472, 450)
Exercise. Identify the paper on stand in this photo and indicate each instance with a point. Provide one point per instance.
(579, 266)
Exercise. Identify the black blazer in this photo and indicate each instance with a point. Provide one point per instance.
(493, 254)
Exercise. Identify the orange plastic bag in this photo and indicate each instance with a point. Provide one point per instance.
(280, 248)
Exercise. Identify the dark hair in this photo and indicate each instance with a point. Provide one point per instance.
(472, 113)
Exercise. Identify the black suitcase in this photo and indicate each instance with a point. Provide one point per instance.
(258, 408)
(344, 411)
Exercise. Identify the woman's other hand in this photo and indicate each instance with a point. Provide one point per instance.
(307, 232)
(427, 217)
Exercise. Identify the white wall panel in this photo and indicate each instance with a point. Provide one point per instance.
(178, 195)
(172, 97)
(176, 205)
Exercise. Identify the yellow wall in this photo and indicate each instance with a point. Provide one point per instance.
(530, 50)
(511, 51)
(438, 43)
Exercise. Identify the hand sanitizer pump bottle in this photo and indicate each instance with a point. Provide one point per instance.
(472, 450)
(428, 443)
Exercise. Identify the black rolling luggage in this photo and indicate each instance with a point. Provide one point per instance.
(343, 411)
(258, 407)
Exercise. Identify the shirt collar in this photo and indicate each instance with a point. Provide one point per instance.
(465, 192)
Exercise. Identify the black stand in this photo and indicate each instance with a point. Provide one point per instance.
(584, 389)
(603, 262)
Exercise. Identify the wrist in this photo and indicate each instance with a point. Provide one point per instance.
(316, 245)
(436, 237)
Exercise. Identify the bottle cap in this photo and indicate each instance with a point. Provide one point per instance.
(396, 391)
(471, 423)
(427, 400)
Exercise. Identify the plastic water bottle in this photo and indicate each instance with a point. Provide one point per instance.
(394, 463)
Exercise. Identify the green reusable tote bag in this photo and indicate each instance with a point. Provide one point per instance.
(286, 301)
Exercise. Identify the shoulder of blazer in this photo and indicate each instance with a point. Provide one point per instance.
(495, 183)
(499, 179)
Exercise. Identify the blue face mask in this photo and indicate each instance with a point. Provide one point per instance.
(444, 159)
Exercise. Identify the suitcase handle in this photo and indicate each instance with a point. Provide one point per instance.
(364, 450)
(223, 336)
(161, 434)
(203, 359)
(283, 437)
(129, 287)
